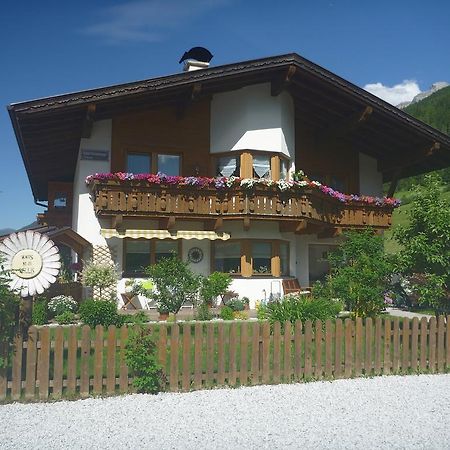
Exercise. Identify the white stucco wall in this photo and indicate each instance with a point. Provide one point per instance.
(370, 180)
(251, 119)
(84, 221)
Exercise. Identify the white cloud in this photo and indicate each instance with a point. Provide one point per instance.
(148, 21)
(402, 92)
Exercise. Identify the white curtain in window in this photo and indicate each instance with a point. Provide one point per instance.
(261, 165)
(226, 166)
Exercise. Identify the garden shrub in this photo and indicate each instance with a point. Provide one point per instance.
(227, 313)
(175, 284)
(65, 318)
(203, 312)
(40, 311)
(261, 310)
(214, 285)
(240, 315)
(299, 307)
(236, 304)
(61, 304)
(100, 312)
(138, 318)
(100, 276)
(141, 357)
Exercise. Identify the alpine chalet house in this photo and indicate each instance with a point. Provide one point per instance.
(206, 163)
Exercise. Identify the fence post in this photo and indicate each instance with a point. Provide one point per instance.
(358, 346)
(423, 343)
(348, 348)
(221, 354)
(98, 361)
(44, 363)
(210, 354)
(174, 334)
(72, 361)
(16, 387)
(58, 362)
(405, 345)
(432, 346)
(287, 363)
(328, 349)
(414, 343)
(243, 373)
(308, 349)
(276, 351)
(387, 347)
(85, 356)
(111, 361)
(265, 352)
(318, 349)
(338, 348)
(396, 345)
(298, 350)
(123, 375)
(440, 344)
(186, 378)
(256, 367)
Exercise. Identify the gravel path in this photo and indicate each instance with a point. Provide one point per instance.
(383, 412)
(408, 314)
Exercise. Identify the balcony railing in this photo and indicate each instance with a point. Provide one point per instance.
(134, 199)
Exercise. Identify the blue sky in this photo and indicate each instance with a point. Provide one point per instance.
(53, 47)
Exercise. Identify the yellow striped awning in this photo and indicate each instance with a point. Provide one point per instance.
(163, 234)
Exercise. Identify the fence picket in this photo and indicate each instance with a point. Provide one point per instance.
(232, 355)
(308, 349)
(405, 345)
(338, 348)
(358, 346)
(432, 346)
(440, 344)
(186, 378)
(210, 354)
(255, 353)
(368, 363)
(98, 361)
(265, 352)
(395, 345)
(85, 356)
(44, 363)
(414, 343)
(111, 360)
(16, 385)
(423, 343)
(58, 361)
(387, 347)
(174, 334)
(447, 344)
(72, 361)
(4, 376)
(287, 363)
(328, 349)
(162, 347)
(378, 346)
(276, 351)
(243, 377)
(298, 350)
(123, 368)
(318, 349)
(221, 354)
(348, 348)
(198, 355)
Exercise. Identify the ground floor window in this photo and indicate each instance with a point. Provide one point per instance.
(251, 257)
(140, 253)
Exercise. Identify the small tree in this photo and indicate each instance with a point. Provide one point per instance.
(425, 257)
(359, 275)
(9, 315)
(216, 284)
(100, 276)
(175, 283)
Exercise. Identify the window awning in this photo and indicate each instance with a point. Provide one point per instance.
(163, 234)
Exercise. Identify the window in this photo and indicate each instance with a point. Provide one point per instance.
(60, 200)
(165, 249)
(137, 256)
(261, 166)
(283, 169)
(227, 166)
(140, 253)
(227, 257)
(262, 257)
(169, 164)
(139, 163)
(284, 258)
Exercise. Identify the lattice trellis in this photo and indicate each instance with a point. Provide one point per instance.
(103, 254)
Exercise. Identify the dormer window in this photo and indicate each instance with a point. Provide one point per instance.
(227, 166)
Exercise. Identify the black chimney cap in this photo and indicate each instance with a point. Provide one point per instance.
(198, 53)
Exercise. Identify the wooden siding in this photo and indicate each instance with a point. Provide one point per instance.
(161, 131)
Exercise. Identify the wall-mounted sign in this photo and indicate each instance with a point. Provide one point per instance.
(94, 155)
(31, 260)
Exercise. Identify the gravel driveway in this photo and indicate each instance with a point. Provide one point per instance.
(384, 412)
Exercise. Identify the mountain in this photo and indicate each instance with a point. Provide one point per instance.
(4, 231)
(423, 95)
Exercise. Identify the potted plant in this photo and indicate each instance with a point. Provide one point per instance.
(246, 301)
(163, 312)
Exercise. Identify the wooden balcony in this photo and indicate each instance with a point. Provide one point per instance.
(135, 199)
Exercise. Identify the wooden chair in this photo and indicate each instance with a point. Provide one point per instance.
(128, 300)
(292, 285)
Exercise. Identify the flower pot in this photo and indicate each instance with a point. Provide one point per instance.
(163, 316)
(246, 307)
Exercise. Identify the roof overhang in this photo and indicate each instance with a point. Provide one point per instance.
(49, 130)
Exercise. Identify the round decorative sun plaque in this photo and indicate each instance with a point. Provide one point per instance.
(32, 261)
(195, 254)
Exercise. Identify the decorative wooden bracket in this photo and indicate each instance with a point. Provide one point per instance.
(191, 96)
(246, 223)
(279, 85)
(88, 121)
(213, 224)
(167, 223)
(394, 182)
(329, 232)
(117, 221)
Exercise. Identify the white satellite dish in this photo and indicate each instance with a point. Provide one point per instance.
(32, 261)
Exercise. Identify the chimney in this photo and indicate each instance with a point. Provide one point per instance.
(192, 64)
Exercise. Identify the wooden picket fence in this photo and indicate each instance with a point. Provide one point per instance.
(72, 362)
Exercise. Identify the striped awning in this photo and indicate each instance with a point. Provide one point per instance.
(163, 234)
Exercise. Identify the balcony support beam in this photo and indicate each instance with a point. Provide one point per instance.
(167, 223)
(329, 233)
(213, 224)
(117, 221)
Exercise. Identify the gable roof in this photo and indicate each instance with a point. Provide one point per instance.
(50, 127)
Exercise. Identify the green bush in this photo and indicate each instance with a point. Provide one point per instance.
(100, 276)
(40, 312)
(138, 318)
(203, 312)
(298, 307)
(216, 284)
(100, 312)
(141, 357)
(65, 318)
(227, 313)
(236, 304)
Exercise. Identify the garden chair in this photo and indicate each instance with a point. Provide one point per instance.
(128, 300)
(291, 286)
